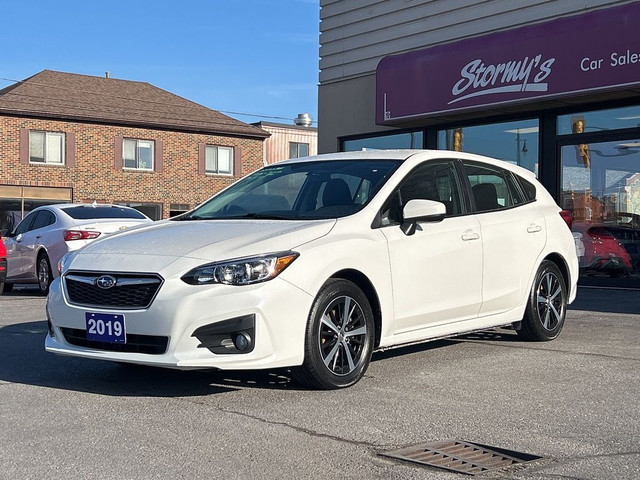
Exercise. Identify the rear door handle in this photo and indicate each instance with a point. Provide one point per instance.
(469, 235)
(533, 228)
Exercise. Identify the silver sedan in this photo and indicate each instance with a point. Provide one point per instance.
(47, 233)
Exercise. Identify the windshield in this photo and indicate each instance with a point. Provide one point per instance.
(307, 190)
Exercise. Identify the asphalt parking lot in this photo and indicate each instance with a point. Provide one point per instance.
(573, 401)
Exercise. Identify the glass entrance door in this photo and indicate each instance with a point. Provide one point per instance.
(601, 187)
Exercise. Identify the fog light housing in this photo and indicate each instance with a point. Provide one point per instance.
(232, 336)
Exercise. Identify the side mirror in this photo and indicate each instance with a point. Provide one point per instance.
(421, 210)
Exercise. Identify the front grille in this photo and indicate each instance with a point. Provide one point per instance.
(130, 291)
(153, 345)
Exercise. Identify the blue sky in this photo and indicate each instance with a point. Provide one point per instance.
(245, 56)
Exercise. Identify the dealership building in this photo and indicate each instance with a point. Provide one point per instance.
(553, 86)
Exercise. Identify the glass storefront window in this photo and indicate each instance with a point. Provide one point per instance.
(601, 187)
(398, 140)
(599, 120)
(515, 142)
(17, 201)
(151, 210)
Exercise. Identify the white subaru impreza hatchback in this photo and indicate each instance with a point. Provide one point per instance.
(314, 263)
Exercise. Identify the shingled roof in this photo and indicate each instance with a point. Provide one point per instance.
(69, 96)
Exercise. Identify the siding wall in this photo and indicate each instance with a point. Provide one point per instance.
(356, 34)
(277, 146)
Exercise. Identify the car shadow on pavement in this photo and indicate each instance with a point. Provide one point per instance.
(24, 360)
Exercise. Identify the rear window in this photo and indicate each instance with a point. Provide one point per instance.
(83, 212)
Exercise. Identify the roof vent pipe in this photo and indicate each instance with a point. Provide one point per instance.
(303, 120)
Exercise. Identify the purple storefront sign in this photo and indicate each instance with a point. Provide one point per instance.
(592, 52)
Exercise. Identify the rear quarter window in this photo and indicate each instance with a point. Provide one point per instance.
(528, 188)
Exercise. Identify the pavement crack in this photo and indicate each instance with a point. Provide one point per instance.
(304, 430)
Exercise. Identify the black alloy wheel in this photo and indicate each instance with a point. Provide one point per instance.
(44, 273)
(547, 307)
(339, 337)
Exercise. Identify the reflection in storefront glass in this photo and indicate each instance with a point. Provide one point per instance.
(601, 187)
(599, 120)
(398, 140)
(514, 142)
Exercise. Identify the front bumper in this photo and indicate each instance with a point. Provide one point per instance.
(278, 311)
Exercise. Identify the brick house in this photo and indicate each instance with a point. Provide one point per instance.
(67, 137)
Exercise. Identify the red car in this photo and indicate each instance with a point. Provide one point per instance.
(603, 252)
(3, 265)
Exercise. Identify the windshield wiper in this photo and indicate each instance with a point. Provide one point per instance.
(262, 216)
(189, 217)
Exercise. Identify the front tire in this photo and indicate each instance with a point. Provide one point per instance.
(547, 307)
(339, 337)
(44, 273)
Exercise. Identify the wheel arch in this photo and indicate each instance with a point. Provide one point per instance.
(560, 262)
(363, 283)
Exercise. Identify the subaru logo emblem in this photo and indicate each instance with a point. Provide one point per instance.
(106, 281)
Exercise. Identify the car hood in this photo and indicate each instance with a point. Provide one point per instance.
(155, 246)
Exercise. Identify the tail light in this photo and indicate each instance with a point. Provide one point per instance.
(80, 235)
(567, 217)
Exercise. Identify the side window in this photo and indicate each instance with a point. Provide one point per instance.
(25, 225)
(433, 180)
(44, 219)
(492, 187)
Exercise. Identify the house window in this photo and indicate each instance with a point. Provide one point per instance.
(219, 160)
(298, 149)
(46, 147)
(137, 154)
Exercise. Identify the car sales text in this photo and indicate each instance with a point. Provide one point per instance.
(616, 60)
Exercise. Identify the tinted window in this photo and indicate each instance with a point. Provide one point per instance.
(435, 180)
(44, 219)
(84, 212)
(529, 189)
(25, 225)
(490, 187)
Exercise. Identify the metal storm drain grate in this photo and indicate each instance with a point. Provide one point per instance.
(461, 456)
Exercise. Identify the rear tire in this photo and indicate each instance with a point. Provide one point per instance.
(44, 273)
(7, 287)
(339, 337)
(547, 307)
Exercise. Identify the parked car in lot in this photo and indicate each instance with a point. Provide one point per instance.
(39, 241)
(3, 266)
(313, 263)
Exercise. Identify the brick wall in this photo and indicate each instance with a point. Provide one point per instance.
(94, 176)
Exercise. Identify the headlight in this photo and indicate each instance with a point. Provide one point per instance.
(241, 271)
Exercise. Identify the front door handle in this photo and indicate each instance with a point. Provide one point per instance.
(534, 228)
(469, 235)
